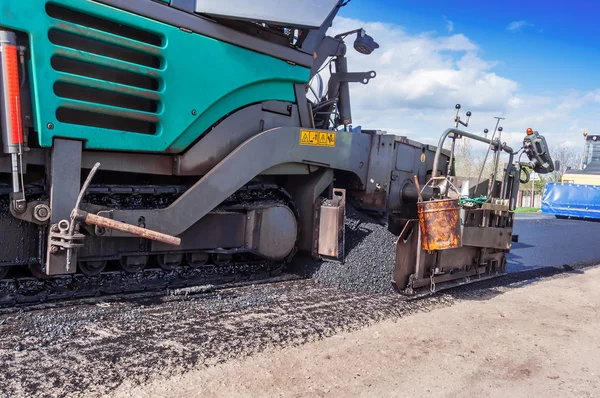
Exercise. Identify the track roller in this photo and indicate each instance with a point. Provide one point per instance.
(169, 262)
(196, 260)
(92, 268)
(221, 259)
(37, 271)
(134, 264)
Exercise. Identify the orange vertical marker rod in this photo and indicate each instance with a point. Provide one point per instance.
(10, 112)
(10, 104)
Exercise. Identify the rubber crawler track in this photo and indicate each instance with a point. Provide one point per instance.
(26, 291)
(23, 292)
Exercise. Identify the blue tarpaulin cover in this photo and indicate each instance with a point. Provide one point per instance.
(571, 200)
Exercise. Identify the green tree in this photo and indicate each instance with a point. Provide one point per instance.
(567, 156)
(470, 166)
(539, 185)
(464, 158)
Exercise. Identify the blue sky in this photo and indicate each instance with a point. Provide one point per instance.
(554, 45)
(532, 62)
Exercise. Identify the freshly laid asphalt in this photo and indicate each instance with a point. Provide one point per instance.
(546, 241)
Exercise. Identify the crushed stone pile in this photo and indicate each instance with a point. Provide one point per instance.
(370, 252)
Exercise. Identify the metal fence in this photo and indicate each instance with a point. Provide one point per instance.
(524, 200)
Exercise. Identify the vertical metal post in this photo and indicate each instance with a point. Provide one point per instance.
(306, 190)
(452, 147)
(344, 108)
(65, 182)
(585, 151)
(496, 156)
(532, 201)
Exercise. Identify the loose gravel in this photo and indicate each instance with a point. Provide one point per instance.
(370, 252)
(90, 349)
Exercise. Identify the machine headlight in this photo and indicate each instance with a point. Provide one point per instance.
(364, 43)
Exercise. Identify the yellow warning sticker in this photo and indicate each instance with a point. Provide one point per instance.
(317, 138)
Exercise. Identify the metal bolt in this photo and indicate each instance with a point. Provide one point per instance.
(194, 112)
(41, 212)
(53, 249)
(50, 126)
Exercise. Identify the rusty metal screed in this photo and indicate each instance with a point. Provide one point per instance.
(440, 224)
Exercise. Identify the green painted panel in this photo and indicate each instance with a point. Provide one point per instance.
(199, 80)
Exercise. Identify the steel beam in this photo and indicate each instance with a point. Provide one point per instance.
(257, 154)
(65, 181)
(306, 190)
(232, 132)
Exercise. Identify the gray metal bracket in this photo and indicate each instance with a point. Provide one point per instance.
(381, 160)
(306, 191)
(348, 77)
(353, 77)
(257, 154)
(37, 212)
(331, 214)
(329, 47)
(65, 180)
(61, 241)
(312, 40)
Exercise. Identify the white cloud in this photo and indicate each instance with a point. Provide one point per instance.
(423, 71)
(515, 102)
(449, 24)
(516, 26)
(420, 77)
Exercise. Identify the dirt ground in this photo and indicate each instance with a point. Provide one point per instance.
(540, 340)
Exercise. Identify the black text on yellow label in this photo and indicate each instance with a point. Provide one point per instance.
(317, 138)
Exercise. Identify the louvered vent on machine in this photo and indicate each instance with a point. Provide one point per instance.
(108, 73)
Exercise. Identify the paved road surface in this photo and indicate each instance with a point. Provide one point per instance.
(547, 241)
